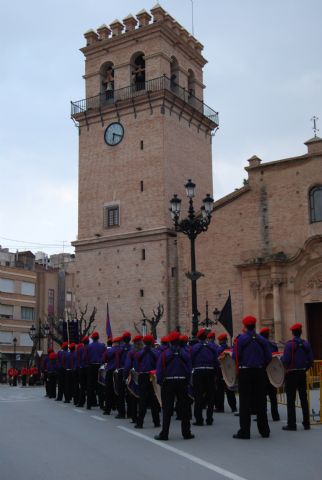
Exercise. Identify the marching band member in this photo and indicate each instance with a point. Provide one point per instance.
(252, 355)
(297, 359)
(95, 353)
(173, 374)
(204, 360)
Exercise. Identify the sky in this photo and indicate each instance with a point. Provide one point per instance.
(264, 76)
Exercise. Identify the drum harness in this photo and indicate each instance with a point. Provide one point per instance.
(295, 347)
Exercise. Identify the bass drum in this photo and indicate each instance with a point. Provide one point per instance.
(228, 369)
(132, 384)
(156, 387)
(102, 372)
(275, 371)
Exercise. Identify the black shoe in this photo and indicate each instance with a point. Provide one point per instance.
(161, 437)
(120, 416)
(188, 437)
(307, 427)
(276, 419)
(233, 410)
(219, 410)
(265, 435)
(80, 405)
(241, 436)
(66, 401)
(88, 407)
(236, 414)
(138, 426)
(58, 400)
(288, 427)
(209, 422)
(157, 425)
(106, 413)
(198, 424)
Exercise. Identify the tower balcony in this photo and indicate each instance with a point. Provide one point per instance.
(161, 85)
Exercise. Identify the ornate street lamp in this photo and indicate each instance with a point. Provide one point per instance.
(216, 313)
(42, 332)
(192, 226)
(207, 322)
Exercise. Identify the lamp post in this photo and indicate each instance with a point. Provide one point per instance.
(192, 226)
(144, 329)
(207, 322)
(41, 333)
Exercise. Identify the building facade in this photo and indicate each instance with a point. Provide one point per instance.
(144, 130)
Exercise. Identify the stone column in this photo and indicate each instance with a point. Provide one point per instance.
(277, 309)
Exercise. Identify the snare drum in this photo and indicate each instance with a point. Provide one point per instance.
(275, 370)
(228, 368)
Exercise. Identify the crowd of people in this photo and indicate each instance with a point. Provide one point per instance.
(25, 376)
(180, 377)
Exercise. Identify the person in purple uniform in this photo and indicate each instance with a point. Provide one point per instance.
(271, 391)
(173, 374)
(252, 355)
(221, 386)
(132, 385)
(145, 361)
(68, 379)
(204, 360)
(112, 357)
(297, 359)
(82, 362)
(95, 352)
(61, 371)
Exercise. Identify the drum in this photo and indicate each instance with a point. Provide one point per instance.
(275, 371)
(228, 369)
(102, 372)
(156, 386)
(132, 384)
(116, 382)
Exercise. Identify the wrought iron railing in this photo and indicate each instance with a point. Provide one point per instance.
(109, 97)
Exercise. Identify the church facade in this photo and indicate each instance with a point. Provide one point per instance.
(144, 130)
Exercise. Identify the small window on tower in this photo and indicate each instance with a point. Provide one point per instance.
(316, 204)
(142, 293)
(141, 145)
(143, 253)
(111, 216)
(141, 185)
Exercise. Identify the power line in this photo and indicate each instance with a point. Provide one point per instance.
(24, 242)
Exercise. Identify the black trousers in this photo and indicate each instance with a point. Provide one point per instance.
(82, 376)
(271, 392)
(147, 397)
(94, 389)
(68, 385)
(220, 394)
(51, 384)
(110, 400)
(296, 381)
(252, 396)
(60, 381)
(23, 380)
(171, 390)
(120, 397)
(204, 389)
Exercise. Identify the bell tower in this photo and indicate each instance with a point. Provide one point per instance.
(143, 131)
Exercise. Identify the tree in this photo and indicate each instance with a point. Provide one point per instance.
(154, 320)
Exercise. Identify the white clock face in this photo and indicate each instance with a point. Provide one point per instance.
(114, 134)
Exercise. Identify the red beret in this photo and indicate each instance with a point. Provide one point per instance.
(50, 350)
(117, 339)
(79, 346)
(264, 330)
(201, 332)
(165, 339)
(148, 339)
(95, 335)
(126, 335)
(222, 336)
(85, 339)
(52, 356)
(211, 335)
(249, 320)
(64, 345)
(137, 338)
(296, 326)
(173, 336)
(72, 346)
(184, 338)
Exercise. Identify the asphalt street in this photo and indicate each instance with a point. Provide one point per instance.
(41, 439)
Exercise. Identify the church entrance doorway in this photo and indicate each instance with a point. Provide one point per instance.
(314, 328)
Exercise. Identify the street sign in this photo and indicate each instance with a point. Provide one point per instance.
(39, 353)
(18, 356)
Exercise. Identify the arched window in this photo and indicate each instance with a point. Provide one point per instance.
(138, 71)
(174, 73)
(191, 83)
(107, 82)
(316, 204)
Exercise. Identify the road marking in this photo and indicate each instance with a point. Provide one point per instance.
(20, 401)
(78, 411)
(188, 456)
(98, 418)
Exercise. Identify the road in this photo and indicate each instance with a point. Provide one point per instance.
(41, 439)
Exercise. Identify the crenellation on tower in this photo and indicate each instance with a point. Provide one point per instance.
(91, 37)
(104, 32)
(144, 18)
(130, 23)
(117, 28)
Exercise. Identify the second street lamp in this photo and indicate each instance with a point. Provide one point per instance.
(192, 226)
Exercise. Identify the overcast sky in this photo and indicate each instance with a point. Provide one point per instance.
(264, 76)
